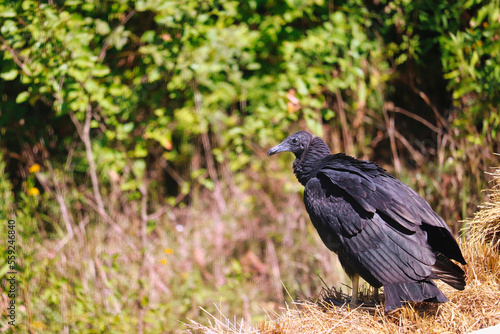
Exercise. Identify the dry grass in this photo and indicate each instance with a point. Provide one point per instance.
(478, 306)
(485, 227)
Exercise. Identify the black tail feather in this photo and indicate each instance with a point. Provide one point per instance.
(396, 294)
(449, 272)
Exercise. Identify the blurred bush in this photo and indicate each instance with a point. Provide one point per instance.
(148, 79)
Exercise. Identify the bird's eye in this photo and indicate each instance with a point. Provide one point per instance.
(294, 140)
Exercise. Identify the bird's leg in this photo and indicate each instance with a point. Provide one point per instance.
(355, 284)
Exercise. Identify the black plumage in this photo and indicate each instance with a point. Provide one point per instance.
(380, 228)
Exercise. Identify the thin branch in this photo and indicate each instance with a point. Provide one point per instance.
(107, 285)
(65, 213)
(71, 151)
(348, 144)
(77, 123)
(16, 58)
(158, 213)
(178, 179)
(144, 260)
(392, 107)
(275, 269)
(90, 159)
(84, 133)
(144, 202)
(417, 156)
(27, 299)
(115, 226)
(68, 237)
(390, 126)
(431, 105)
(219, 198)
(208, 154)
(67, 217)
(104, 48)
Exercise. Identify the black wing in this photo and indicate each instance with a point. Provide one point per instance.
(395, 202)
(365, 244)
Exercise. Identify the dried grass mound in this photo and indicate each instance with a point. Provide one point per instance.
(477, 307)
(485, 227)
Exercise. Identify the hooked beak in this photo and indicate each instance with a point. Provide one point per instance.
(283, 147)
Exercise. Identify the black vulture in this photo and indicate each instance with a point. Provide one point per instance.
(380, 228)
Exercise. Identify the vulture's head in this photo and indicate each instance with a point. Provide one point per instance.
(296, 143)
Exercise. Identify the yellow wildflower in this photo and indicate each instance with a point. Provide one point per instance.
(35, 168)
(38, 324)
(168, 251)
(163, 261)
(34, 192)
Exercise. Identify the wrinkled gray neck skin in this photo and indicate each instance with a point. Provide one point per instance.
(305, 165)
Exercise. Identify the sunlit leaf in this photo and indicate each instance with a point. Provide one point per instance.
(22, 97)
(9, 75)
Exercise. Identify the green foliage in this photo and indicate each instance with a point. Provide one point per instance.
(471, 64)
(160, 72)
(466, 35)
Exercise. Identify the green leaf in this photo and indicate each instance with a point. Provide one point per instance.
(314, 126)
(253, 66)
(102, 27)
(301, 87)
(100, 71)
(9, 75)
(128, 127)
(117, 89)
(22, 97)
(7, 12)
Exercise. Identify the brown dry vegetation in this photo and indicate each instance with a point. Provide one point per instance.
(478, 306)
